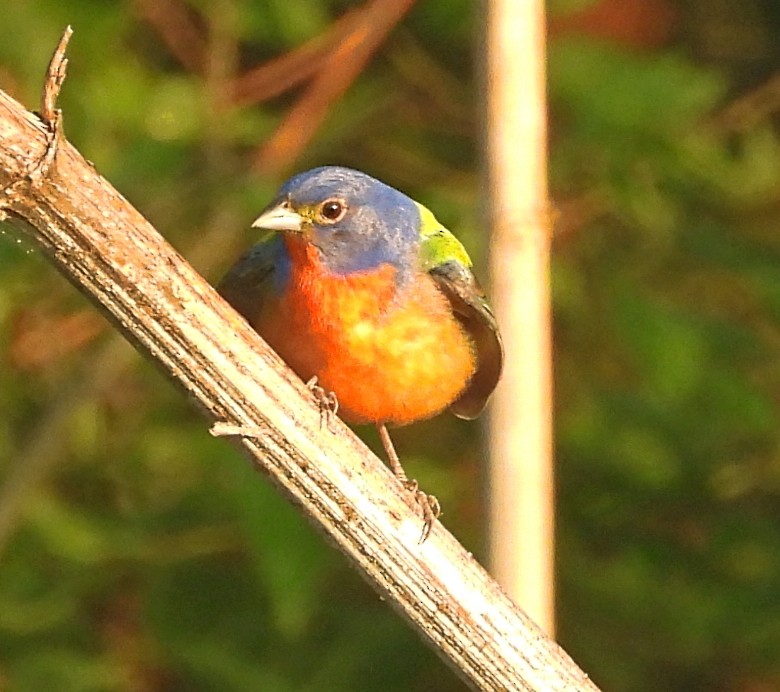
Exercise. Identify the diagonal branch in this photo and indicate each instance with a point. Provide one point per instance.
(110, 252)
(336, 74)
(287, 71)
(175, 25)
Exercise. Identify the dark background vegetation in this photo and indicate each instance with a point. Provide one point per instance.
(139, 554)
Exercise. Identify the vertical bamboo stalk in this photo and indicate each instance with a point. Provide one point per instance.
(521, 476)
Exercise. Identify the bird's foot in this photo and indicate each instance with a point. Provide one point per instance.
(428, 504)
(327, 401)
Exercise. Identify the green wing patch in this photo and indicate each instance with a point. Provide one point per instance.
(448, 263)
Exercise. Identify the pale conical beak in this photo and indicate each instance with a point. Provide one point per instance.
(279, 218)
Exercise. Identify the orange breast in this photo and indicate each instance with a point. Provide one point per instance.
(389, 355)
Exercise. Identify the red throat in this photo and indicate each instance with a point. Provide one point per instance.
(391, 354)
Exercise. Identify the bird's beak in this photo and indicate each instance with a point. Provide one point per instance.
(279, 217)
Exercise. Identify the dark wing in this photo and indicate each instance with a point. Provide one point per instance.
(249, 281)
(471, 308)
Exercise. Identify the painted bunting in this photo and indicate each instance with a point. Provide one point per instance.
(363, 292)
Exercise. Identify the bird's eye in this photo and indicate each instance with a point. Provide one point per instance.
(333, 210)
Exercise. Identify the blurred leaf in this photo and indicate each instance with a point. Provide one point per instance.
(64, 669)
(290, 559)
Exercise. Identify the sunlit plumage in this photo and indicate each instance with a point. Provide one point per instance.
(364, 289)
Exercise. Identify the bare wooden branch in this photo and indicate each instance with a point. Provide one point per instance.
(51, 117)
(111, 253)
(55, 76)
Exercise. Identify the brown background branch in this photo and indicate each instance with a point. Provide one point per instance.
(336, 74)
(111, 253)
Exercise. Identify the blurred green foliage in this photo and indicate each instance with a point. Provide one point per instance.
(137, 553)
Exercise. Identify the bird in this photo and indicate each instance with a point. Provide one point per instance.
(372, 302)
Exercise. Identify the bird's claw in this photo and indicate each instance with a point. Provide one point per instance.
(428, 504)
(327, 402)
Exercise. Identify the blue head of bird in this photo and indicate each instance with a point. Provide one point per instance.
(356, 222)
